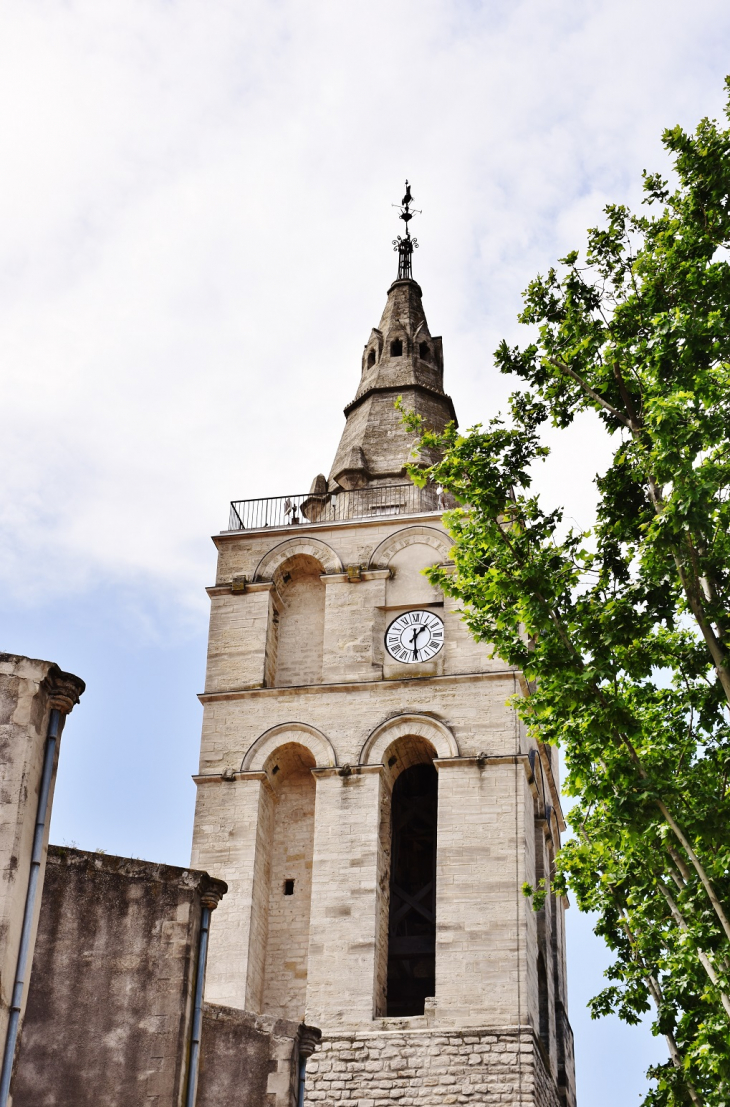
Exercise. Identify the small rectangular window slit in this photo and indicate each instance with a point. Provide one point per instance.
(288, 887)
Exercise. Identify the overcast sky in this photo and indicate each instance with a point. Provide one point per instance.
(195, 243)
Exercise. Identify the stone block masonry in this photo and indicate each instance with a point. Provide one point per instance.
(429, 1068)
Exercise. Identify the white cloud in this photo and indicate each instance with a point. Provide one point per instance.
(197, 226)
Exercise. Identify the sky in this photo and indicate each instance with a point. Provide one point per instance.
(196, 239)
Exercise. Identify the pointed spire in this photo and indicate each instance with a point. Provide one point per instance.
(401, 358)
(405, 246)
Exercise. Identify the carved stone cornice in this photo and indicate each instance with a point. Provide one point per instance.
(64, 689)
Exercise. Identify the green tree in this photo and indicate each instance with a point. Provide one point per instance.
(623, 632)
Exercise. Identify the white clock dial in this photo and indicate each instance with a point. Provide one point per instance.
(414, 636)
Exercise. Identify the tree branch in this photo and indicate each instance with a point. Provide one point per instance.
(563, 368)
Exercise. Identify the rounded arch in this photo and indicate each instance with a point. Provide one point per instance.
(409, 536)
(285, 733)
(312, 547)
(436, 733)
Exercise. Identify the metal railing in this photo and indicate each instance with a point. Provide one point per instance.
(337, 507)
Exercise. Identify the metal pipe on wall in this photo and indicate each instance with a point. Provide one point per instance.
(302, 1079)
(31, 895)
(197, 1025)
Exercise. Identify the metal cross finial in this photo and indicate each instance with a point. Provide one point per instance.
(405, 246)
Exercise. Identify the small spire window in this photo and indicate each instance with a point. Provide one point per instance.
(396, 348)
(423, 352)
(371, 359)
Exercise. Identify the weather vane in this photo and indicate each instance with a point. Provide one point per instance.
(405, 246)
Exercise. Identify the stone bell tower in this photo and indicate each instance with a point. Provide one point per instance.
(372, 802)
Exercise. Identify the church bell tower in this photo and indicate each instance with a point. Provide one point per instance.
(371, 800)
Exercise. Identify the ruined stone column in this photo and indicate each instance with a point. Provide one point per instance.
(35, 697)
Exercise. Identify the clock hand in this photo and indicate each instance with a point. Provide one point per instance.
(414, 641)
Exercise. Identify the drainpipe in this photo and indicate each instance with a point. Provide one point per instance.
(210, 900)
(197, 1026)
(309, 1036)
(31, 895)
(302, 1079)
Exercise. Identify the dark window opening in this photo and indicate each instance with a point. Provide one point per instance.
(542, 993)
(288, 887)
(423, 352)
(371, 359)
(396, 348)
(412, 921)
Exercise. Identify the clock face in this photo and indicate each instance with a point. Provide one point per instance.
(414, 636)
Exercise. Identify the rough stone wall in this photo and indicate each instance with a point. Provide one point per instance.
(488, 1067)
(249, 1060)
(28, 691)
(110, 1001)
(287, 945)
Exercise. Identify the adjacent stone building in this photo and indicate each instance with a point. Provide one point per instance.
(365, 791)
(111, 1002)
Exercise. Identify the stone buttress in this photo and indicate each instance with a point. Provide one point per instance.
(374, 817)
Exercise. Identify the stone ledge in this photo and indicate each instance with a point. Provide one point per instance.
(307, 528)
(437, 1031)
(132, 868)
(355, 685)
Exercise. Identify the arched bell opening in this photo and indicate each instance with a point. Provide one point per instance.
(291, 844)
(411, 961)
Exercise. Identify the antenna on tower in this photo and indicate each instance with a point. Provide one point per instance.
(405, 246)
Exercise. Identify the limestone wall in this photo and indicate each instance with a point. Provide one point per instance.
(290, 892)
(301, 623)
(364, 718)
(473, 708)
(261, 597)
